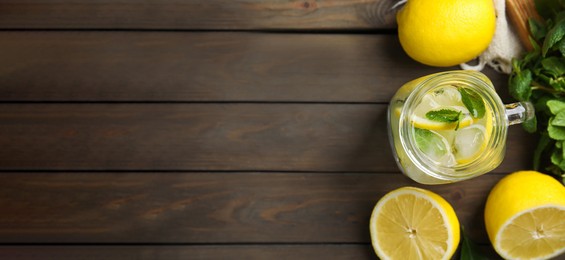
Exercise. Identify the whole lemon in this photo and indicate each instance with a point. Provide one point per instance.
(525, 216)
(445, 33)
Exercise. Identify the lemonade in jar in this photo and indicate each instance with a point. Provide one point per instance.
(450, 126)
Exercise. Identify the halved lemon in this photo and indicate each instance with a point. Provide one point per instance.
(525, 216)
(413, 223)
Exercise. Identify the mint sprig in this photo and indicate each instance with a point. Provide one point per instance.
(539, 77)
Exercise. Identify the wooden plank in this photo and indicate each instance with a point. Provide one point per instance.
(181, 66)
(257, 137)
(240, 208)
(195, 14)
(119, 252)
(189, 252)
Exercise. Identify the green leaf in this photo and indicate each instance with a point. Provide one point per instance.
(469, 250)
(561, 165)
(558, 83)
(473, 102)
(548, 8)
(555, 106)
(553, 36)
(444, 115)
(429, 142)
(554, 66)
(537, 29)
(559, 119)
(556, 157)
(541, 104)
(520, 85)
(530, 125)
(543, 143)
(556, 132)
(562, 47)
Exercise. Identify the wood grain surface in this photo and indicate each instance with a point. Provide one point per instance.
(186, 129)
(210, 207)
(197, 15)
(173, 252)
(181, 66)
(258, 137)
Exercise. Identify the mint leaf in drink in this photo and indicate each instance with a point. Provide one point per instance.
(444, 115)
(430, 143)
(472, 101)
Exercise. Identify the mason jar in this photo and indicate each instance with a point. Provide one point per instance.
(450, 126)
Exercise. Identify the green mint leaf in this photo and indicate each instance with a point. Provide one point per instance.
(519, 85)
(537, 29)
(429, 143)
(542, 145)
(473, 102)
(555, 106)
(555, 132)
(547, 8)
(470, 250)
(444, 115)
(530, 125)
(553, 36)
(555, 66)
(562, 47)
(540, 105)
(556, 157)
(559, 119)
(558, 83)
(562, 164)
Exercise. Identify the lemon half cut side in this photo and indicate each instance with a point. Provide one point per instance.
(413, 223)
(525, 216)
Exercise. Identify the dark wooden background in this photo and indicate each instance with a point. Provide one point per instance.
(184, 129)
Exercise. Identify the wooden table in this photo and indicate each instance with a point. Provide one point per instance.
(184, 129)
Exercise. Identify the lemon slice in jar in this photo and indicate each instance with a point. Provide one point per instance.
(444, 98)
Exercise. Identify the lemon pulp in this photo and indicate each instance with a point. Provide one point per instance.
(413, 223)
(525, 216)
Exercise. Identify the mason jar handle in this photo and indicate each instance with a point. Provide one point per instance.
(518, 112)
